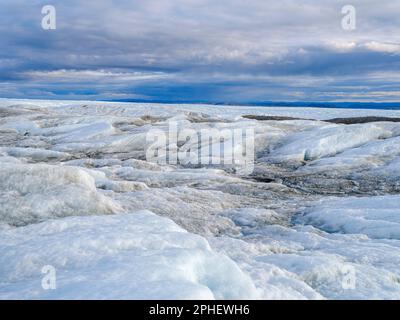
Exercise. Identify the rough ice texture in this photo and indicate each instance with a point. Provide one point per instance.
(369, 155)
(376, 217)
(132, 256)
(33, 193)
(74, 184)
(328, 141)
(391, 171)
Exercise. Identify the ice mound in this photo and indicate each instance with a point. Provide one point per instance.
(197, 211)
(33, 193)
(328, 141)
(370, 155)
(376, 217)
(176, 177)
(7, 159)
(110, 162)
(78, 132)
(253, 217)
(35, 154)
(18, 109)
(277, 224)
(132, 256)
(391, 171)
(303, 262)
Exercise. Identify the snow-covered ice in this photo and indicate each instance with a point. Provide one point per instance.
(376, 217)
(78, 193)
(32, 193)
(131, 256)
(329, 141)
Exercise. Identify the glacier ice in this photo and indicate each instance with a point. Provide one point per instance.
(328, 141)
(32, 193)
(376, 217)
(77, 193)
(130, 256)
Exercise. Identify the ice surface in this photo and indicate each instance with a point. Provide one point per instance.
(328, 141)
(132, 256)
(35, 154)
(391, 171)
(303, 262)
(370, 155)
(174, 178)
(376, 217)
(76, 193)
(32, 193)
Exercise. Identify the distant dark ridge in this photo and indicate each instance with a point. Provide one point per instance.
(339, 105)
(268, 118)
(362, 120)
(352, 120)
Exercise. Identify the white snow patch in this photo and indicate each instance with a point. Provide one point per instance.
(32, 193)
(370, 155)
(35, 154)
(377, 217)
(132, 256)
(323, 142)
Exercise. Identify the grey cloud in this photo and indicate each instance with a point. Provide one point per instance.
(164, 49)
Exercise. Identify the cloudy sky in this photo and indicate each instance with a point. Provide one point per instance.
(201, 50)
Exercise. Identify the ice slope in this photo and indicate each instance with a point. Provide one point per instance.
(131, 256)
(216, 112)
(176, 177)
(368, 156)
(328, 141)
(305, 262)
(391, 171)
(196, 210)
(74, 175)
(376, 217)
(35, 154)
(32, 193)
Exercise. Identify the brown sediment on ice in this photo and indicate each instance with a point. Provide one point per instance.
(361, 120)
(271, 118)
(352, 120)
